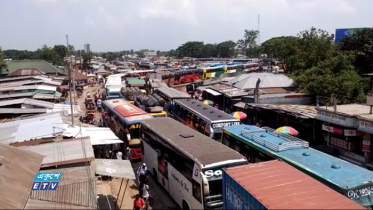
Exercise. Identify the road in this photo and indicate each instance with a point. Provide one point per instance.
(161, 198)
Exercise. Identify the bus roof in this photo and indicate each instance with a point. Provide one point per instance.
(338, 172)
(173, 93)
(202, 149)
(208, 112)
(125, 110)
(128, 110)
(267, 182)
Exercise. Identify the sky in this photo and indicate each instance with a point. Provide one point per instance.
(115, 25)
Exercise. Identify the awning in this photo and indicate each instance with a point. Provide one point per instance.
(115, 168)
(213, 92)
(105, 141)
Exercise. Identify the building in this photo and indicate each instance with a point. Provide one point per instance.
(150, 54)
(87, 48)
(342, 33)
(16, 68)
(347, 130)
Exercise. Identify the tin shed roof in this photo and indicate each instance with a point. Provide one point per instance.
(64, 152)
(278, 185)
(18, 170)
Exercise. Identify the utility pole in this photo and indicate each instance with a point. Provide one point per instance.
(68, 66)
(259, 29)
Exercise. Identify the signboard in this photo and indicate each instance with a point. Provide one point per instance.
(366, 143)
(213, 174)
(355, 194)
(365, 126)
(342, 33)
(336, 119)
(221, 125)
(369, 100)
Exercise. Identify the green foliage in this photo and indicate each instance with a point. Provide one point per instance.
(248, 45)
(361, 44)
(86, 59)
(2, 62)
(335, 75)
(209, 50)
(49, 54)
(61, 50)
(190, 49)
(172, 53)
(226, 49)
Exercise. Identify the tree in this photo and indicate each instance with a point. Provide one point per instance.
(2, 62)
(361, 44)
(158, 53)
(172, 53)
(104, 55)
(86, 60)
(285, 49)
(61, 50)
(209, 50)
(248, 45)
(335, 75)
(190, 49)
(50, 55)
(226, 49)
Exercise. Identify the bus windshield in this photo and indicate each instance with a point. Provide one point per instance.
(134, 131)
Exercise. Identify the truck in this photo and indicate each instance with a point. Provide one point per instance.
(277, 185)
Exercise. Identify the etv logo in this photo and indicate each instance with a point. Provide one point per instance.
(44, 181)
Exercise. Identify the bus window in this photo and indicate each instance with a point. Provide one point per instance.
(217, 136)
(134, 131)
(196, 122)
(188, 116)
(197, 190)
(227, 140)
(237, 146)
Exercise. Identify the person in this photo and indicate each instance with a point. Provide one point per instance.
(119, 155)
(99, 104)
(129, 153)
(145, 194)
(138, 203)
(142, 174)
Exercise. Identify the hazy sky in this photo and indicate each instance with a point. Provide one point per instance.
(114, 25)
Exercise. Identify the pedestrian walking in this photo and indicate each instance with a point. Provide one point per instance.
(138, 203)
(119, 155)
(129, 153)
(144, 189)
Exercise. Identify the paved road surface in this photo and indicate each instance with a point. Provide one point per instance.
(161, 199)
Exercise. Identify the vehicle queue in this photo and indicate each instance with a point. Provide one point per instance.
(188, 158)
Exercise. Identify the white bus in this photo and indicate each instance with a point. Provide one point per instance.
(186, 163)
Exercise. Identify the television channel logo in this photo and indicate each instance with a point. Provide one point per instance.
(46, 181)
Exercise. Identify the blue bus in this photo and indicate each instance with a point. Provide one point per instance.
(263, 144)
(124, 120)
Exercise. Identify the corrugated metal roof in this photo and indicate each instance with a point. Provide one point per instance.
(29, 87)
(75, 172)
(16, 95)
(64, 152)
(100, 136)
(38, 204)
(45, 96)
(26, 72)
(38, 64)
(18, 170)
(115, 168)
(278, 185)
(80, 193)
(65, 108)
(268, 80)
(304, 111)
(40, 126)
(22, 111)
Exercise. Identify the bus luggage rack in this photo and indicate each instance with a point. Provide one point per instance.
(292, 143)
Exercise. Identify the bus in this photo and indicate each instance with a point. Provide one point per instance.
(263, 144)
(112, 91)
(208, 72)
(124, 120)
(202, 117)
(250, 66)
(170, 94)
(186, 163)
(233, 68)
